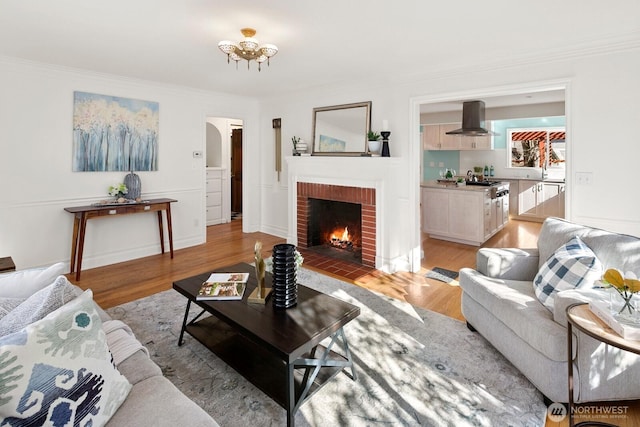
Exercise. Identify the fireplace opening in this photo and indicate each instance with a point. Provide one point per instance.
(335, 229)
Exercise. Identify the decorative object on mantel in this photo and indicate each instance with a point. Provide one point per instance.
(277, 125)
(385, 138)
(374, 143)
(626, 287)
(299, 146)
(341, 130)
(260, 293)
(385, 143)
(248, 49)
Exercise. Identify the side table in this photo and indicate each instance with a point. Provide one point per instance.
(579, 316)
(7, 265)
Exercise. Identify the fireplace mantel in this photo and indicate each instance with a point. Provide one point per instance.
(364, 172)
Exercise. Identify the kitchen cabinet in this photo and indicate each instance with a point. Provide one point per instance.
(214, 196)
(476, 142)
(538, 200)
(463, 215)
(436, 218)
(434, 137)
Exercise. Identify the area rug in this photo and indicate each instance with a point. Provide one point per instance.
(442, 274)
(415, 368)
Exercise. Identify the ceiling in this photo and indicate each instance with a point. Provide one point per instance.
(321, 43)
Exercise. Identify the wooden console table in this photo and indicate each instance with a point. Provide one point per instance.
(84, 213)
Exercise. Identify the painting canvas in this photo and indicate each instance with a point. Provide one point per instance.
(114, 134)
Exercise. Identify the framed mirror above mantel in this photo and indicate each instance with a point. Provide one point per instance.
(341, 130)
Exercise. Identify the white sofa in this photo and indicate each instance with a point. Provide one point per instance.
(498, 300)
(134, 393)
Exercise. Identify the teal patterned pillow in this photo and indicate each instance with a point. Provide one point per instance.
(58, 370)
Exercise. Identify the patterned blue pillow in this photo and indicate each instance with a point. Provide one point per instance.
(58, 370)
(572, 265)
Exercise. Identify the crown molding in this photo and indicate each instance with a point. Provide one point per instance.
(583, 49)
(47, 68)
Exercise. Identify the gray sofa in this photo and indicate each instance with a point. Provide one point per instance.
(153, 399)
(28, 300)
(498, 300)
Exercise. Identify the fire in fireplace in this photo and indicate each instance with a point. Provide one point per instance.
(334, 229)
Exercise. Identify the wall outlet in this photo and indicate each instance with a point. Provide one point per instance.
(584, 178)
(441, 164)
(432, 164)
(197, 154)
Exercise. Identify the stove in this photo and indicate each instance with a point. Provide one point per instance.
(498, 188)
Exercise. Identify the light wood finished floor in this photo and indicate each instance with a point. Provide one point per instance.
(226, 244)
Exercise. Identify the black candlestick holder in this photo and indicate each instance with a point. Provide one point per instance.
(385, 143)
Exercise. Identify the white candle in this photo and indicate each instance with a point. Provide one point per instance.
(385, 124)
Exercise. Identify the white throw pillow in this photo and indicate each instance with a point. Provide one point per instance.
(38, 305)
(24, 283)
(58, 370)
(572, 265)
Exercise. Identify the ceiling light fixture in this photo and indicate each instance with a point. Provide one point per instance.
(248, 49)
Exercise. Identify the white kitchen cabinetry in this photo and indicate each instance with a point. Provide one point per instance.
(538, 200)
(436, 218)
(513, 197)
(462, 215)
(214, 196)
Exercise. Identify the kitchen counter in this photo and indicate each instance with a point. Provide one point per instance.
(452, 186)
(468, 214)
(549, 180)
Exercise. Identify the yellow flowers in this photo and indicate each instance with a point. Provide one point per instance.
(617, 280)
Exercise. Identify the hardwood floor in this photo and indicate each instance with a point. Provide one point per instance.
(227, 244)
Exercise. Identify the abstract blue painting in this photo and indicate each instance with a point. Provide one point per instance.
(114, 134)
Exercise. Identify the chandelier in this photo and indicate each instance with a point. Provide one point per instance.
(248, 49)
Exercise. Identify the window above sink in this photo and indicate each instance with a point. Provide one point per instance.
(536, 148)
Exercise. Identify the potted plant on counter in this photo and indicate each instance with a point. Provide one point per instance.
(374, 143)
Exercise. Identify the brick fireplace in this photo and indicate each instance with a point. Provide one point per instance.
(365, 197)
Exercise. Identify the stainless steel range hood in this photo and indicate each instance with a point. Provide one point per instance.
(472, 120)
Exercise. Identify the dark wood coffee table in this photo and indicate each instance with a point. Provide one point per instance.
(278, 351)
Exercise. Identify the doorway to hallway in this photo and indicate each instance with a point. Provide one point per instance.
(236, 173)
(223, 170)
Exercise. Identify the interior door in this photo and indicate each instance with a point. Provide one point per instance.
(236, 170)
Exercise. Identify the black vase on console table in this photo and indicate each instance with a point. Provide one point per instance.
(284, 288)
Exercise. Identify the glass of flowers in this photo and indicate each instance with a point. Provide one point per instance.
(626, 287)
(118, 191)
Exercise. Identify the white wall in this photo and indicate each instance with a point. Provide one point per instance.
(36, 140)
(601, 120)
(36, 109)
